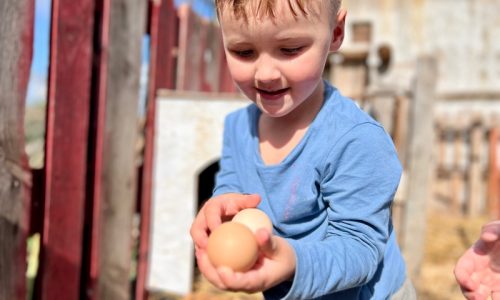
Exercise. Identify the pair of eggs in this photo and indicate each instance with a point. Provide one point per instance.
(233, 243)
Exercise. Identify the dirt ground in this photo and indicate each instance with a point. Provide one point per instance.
(447, 238)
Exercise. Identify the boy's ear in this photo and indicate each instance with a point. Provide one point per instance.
(338, 31)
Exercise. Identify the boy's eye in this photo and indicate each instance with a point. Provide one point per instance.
(291, 51)
(243, 53)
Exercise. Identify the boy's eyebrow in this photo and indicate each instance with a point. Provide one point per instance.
(292, 35)
(236, 41)
(290, 38)
(280, 39)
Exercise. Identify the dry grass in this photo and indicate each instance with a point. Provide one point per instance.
(447, 238)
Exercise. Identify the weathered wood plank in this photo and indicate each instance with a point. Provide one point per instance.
(16, 37)
(93, 205)
(457, 182)
(119, 170)
(400, 127)
(420, 164)
(494, 175)
(66, 148)
(156, 78)
(475, 177)
(166, 41)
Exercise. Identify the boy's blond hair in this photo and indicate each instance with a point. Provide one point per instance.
(267, 7)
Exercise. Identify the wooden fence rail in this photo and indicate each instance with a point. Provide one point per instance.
(16, 36)
(494, 174)
(93, 182)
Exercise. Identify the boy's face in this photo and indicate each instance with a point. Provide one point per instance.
(278, 62)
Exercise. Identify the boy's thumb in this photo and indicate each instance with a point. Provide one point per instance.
(267, 243)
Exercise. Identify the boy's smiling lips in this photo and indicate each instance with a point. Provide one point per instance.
(271, 94)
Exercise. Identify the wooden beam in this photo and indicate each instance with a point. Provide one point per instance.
(420, 166)
(457, 183)
(66, 148)
(166, 43)
(400, 126)
(494, 175)
(120, 156)
(16, 40)
(475, 174)
(146, 185)
(93, 216)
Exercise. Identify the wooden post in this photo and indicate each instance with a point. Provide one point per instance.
(93, 217)
(441, 128)
(192, 67)
(16, 39)
(163, 32)
(68, 111)
(494, 176)
(400, 126)
(420, 165)
(475, 203)
(162, 28)
(185, 19)
(120, 160)
(457, 171)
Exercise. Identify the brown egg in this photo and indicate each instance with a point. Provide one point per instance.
(232, 245)
(254, 219)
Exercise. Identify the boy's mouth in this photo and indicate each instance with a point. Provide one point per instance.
(272, 94)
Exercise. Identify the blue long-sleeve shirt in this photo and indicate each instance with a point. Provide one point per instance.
(330, 198)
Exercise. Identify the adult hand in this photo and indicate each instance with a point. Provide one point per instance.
(478, 269)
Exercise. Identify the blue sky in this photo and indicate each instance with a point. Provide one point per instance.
(37, 88)
(204, 8)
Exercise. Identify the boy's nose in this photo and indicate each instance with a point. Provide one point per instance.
(266, 71)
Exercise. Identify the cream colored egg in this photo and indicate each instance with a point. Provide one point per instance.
(232, 245)
(254, 219)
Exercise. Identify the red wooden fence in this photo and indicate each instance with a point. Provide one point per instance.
(66, 195)
(68, 110)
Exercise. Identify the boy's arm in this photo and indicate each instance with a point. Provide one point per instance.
(362, 177)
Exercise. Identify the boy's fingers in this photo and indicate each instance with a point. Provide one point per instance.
(227, 206)
(249, 201)
(267, 244)
(237, 281)
(200, 239)
(227, 277)
(237, 202)
(208, 270)
(213, 216)
(198, 231)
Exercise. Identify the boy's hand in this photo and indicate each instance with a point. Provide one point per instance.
(276, 264)
(478, 270)
(217, 210)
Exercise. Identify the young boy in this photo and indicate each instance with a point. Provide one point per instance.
(322, 170)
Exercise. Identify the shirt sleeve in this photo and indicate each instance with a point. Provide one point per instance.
(361, 176)
(226, 180)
